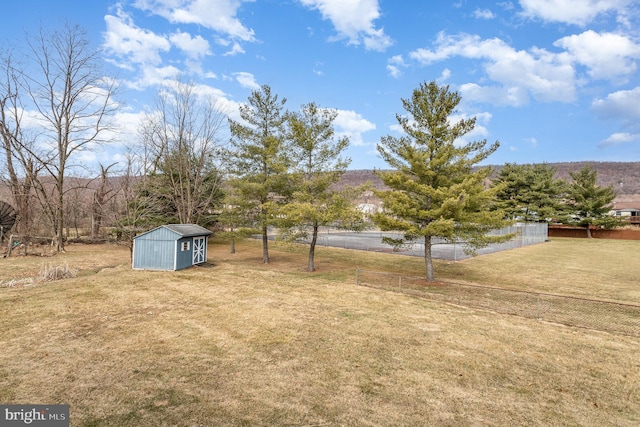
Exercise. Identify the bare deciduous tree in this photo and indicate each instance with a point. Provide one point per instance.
(20, 165)
(138, 207)
(184, 139)
(71, 100)
(102, 195)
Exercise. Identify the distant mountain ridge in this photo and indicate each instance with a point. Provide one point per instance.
(624, 176)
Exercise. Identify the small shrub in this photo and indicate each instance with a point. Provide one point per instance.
(50, 273)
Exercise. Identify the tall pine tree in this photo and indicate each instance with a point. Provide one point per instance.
(258, 160)
(530, 192)
(434, 189)
(318, 166)
(589, 203)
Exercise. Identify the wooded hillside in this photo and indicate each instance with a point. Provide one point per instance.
(624, 176)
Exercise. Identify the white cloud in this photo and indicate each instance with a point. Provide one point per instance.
(194, 47)
(621, 138)
(479, 131)
(506, 5)
(246, 80)
(543, 75)
(622, 105)
(220, 99)
(483, 14)
(141, 50)
(317, 69)
(354, 21)
(194, 67)
(352, 124)
(395, 64)
(606, 55)
(578, 12)
(236, 49)
(444, 76)
(131, 43)
(397, 128)
(498, 95)
(218, 15)
(211, 95)
(151, 76)
(126, 133)
(516, 76)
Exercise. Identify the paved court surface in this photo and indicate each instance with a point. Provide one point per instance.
(372, 241)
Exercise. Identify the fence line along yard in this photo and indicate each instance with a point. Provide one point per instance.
(572, 311)
(528, 233)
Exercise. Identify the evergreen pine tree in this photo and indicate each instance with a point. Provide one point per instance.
(590, 203)
(258, 160)
(318, 167)
(530, 192)
(434, 189)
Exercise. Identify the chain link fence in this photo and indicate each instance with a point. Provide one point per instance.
(572, 311)
(524, 234)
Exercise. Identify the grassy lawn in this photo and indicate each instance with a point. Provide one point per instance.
(240, 343)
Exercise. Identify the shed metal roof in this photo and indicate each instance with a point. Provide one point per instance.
(182, 230)
(187, 230)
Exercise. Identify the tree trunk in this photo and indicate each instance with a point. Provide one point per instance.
(58, 214)
(265, 245)
(589, 231)
(9, 246)
(99, 200)
(60, 222)
(312, 248)
(96, 218)
(428, 261)
(233, 245)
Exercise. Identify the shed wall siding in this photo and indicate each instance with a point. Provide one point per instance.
(161, 249)
(154, 254)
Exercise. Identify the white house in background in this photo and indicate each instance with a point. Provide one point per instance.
(628, 212)
(369, 208)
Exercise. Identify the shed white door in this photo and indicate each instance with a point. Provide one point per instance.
(199, 250)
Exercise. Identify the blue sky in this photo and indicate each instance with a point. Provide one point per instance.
(552, 80)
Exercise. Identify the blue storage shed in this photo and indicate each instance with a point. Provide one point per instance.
(170, 247)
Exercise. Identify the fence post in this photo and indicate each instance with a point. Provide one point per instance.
(358, 276)
(399, 283)
(538, 316)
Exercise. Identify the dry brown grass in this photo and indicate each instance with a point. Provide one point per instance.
(241, 343)
(592, 268)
